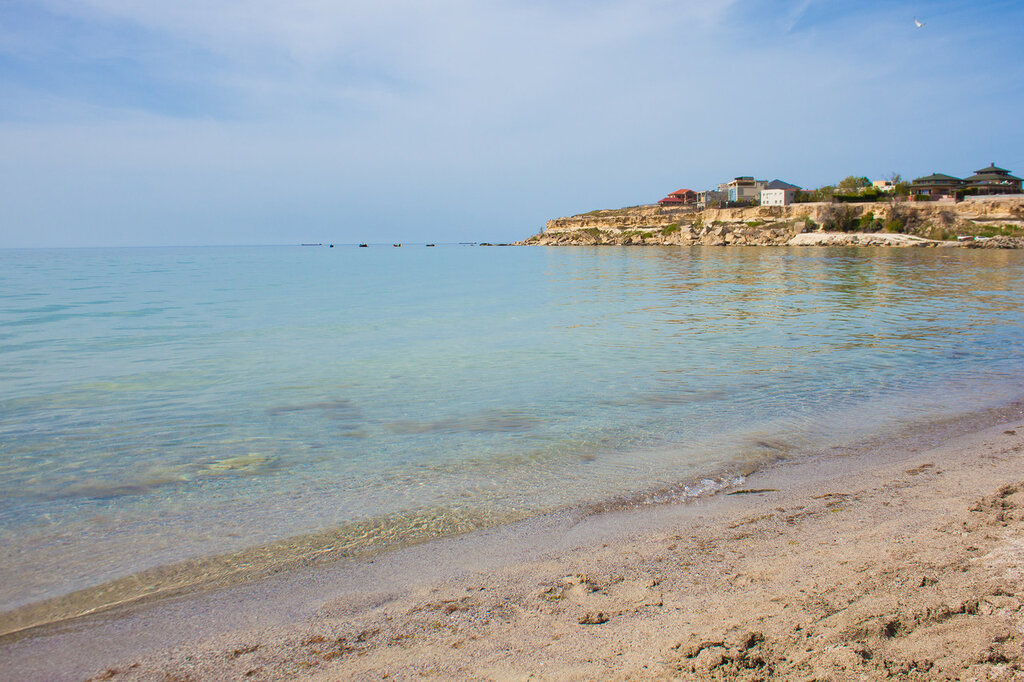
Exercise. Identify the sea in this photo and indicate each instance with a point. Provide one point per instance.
(175, 416)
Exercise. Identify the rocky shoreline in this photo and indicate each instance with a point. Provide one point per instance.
(994, 222)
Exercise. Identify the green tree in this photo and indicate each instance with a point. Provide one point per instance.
(852, 184)
(823, 193)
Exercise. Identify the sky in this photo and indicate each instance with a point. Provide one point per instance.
(194, 122)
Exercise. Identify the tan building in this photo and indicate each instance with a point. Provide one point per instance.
(743, 189)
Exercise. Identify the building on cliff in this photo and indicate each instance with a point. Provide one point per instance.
(993, 180)
(779, 184)
(710, 198)
(743, 189)
(779, 193)
(778, 197)
(681, 197)
(936, 186)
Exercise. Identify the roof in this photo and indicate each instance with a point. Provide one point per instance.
(670, 200)
(779, 184)
(934, 178)
(683, 191)
(992, 168)
(991, 178)
(991, 175)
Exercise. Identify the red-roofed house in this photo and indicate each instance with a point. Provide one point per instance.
(679, 198)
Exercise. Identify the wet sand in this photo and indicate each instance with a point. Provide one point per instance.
(905, 559)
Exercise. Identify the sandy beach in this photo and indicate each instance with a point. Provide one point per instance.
(905, 559)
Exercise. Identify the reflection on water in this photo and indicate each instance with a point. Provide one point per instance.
(164, 405)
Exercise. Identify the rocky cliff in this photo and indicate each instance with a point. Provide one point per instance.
(995, 222)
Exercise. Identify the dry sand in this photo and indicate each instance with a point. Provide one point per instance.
(906, 562)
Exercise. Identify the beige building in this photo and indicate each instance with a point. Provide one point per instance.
(742, 189)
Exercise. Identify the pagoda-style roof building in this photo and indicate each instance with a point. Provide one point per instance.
(936, 185)
(993, 180)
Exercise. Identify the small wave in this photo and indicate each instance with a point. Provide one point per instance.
(681, 492)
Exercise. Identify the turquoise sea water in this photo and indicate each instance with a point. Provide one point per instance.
(162, 404)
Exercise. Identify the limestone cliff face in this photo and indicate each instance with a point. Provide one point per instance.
(1000, 217)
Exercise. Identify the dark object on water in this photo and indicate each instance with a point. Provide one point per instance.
(332, 246)
(396, 245)
(362, 246)
(429, 244)
(752, 491)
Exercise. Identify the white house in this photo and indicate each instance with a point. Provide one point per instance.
(884, 185)
(777, 197)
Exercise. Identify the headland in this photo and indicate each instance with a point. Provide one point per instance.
(976, 222)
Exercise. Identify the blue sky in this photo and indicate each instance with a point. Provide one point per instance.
(146, 122)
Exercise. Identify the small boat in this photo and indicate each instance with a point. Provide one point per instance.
(429, 244)
(396, 245)
(362, 246)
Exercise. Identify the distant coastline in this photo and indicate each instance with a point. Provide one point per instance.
(978, 222)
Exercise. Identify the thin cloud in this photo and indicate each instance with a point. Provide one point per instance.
(220, 120)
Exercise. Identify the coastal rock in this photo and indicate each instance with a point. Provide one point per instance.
(858, 239)
(594, 618)
(980, 222)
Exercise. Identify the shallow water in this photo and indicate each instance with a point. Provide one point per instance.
(164, 404)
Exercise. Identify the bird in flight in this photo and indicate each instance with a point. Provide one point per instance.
(917, 23)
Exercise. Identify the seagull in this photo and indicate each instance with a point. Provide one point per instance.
(917, 23)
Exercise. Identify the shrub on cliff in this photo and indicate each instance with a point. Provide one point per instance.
(839, 218)
(868, 223)
(901, 219)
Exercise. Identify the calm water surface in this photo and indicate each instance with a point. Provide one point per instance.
(161, 404)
